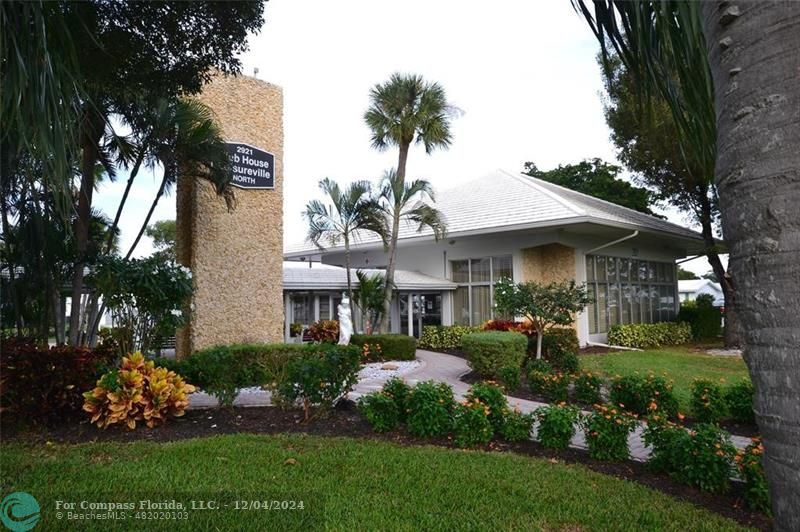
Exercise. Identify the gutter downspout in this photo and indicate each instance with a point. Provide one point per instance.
(617, 241)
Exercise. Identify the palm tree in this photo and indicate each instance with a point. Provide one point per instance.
(403, 201)
(352, 212)
(370, 296)
(735, 70)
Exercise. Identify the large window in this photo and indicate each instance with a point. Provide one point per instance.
(473, 300)
(629, 291)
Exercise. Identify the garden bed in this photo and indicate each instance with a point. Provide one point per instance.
(344, 420)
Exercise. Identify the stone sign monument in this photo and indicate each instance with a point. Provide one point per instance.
(236, 256)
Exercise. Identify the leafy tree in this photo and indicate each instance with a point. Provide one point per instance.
(544, 305)
(352, 211)
(728, 73)
(163, 234)
(369, 296)
(405, 110)
(686, 275)
(599, 179)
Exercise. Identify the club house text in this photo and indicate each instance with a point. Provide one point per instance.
(251, 167)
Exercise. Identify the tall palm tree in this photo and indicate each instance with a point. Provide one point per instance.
(406, 202)
(351, 212)
(370, 296)
(735, 68)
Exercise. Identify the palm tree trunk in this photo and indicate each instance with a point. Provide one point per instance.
(160, 193)
(134, 172)
(349, 281)
(754, 55)
(390, 267)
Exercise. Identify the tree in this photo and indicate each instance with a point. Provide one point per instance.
(733, 70)
(543, 305)
(686, 275)
(711, 276)
(405, 202)
(370, 296)
(163, 233)
(597, 178)
(352, 211)
(405, 110)
(648, 143)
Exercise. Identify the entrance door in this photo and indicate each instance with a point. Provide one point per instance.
(427, 311)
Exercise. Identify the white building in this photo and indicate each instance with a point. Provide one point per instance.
(510, 224)
(689, 290)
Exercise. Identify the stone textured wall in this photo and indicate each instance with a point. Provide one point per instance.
(236, 256)
(548, 263)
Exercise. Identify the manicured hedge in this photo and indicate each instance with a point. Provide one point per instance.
(491, 351)
(645, 335)
(393, 346)
(705, 321)
(444, 336)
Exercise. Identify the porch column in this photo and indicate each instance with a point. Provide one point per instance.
(287, 313)
(411, 314)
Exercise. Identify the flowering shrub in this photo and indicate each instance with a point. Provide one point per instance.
(324, 331)
(471, 424)
(500, 325)
(429, 410)
(371, 353)
(644, 395)
(492, 397)
(751, 470)
(587, 387)
(381, 411)
(556, 387)
(392, 346)
(556, 425)
(398, 390)
(540, 365)
(510, 377)
(607, 429)
(708, 403)
(739, 398)
(444, 336)
(645, 335)
(138, 391)
(491, 351)
(516, 426)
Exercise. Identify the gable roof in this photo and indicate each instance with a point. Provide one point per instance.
(693, 285)
(318, 276)
(502, 201)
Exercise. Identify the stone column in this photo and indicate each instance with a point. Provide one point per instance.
(236, 256)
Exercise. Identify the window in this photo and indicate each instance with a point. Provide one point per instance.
(473, 300)
(303, 309)
(629, 291)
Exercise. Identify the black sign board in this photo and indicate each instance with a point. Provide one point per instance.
(252, 167)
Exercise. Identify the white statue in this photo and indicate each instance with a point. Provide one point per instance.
(345, 321)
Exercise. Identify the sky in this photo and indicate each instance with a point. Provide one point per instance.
(523, 74)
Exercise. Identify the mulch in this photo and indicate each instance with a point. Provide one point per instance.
(345, 421)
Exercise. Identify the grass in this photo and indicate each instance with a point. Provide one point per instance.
(678, 363)
(347, 485)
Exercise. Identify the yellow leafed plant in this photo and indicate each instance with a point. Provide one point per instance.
(138, 391)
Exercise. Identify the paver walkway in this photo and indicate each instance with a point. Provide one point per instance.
(448, 369)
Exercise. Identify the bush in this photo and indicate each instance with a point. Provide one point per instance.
(489, 352)
(607, 429)
(500, 325)
(751, 471)
(492, 397)
(430, 408)
(471, 424)
(708, 403)
(556, 387)
(704, 320)
(516, 426)
(564, 361)
(40, 384)
(587, 388)
(138, 391)
(510, 377)
(556, 425)
(540, 365)
(393, 346)
(537, 380)
(646, 335)
(739, 398)
(644, 395)
(326, 331)
(398, 390)
(319, 376)
(381, 411)
(444, 336)
(371, 353)
(556, 341)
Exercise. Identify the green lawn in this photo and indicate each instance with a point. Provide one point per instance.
(678, 363)
(346, 485)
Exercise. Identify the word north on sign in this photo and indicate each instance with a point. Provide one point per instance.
(252, 167)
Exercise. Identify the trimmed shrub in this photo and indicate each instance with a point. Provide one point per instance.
(646, 335)
(644, 395)
(704, 320)
(540, 365)
(564, 361)
(537, 380)
(607, 429)
(471, 424)
(42, 384)
(556, 387)
(138, 391)
(393, 346)
(488, 352)
(500, 325)
(587, 387)
(751, 471)
(492, 397)
(429, 411)
(557, 340)
(381, 411)
(510, 377)
(556, 425)
(371, 353)
(739, 398)
(444, 336)
(708, 403)
(398, 390)
(516, 426)
(324, 331)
